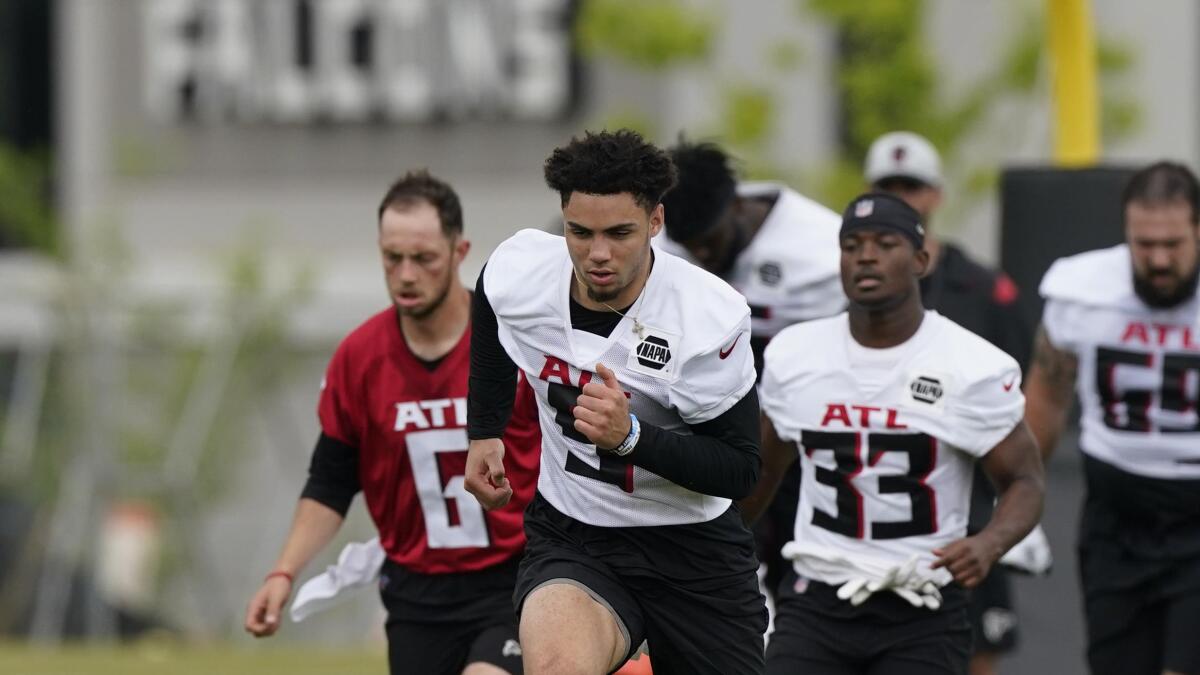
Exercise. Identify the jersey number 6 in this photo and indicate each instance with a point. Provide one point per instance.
(453, 517)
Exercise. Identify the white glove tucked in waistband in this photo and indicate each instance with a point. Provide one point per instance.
(858, 577)
(902, 580)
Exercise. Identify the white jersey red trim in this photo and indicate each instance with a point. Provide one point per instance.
(690, 363)
(888, 439)
(789, 271)
(1139, 367)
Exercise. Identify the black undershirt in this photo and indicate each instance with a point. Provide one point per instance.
(597, 322)
(721, 458)
(332, 474)
(430, 364)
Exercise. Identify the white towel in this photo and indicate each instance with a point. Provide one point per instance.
(1031, 555)
(357, 566)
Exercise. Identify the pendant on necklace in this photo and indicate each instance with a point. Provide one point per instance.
(639, 329)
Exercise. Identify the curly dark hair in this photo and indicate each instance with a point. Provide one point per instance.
(609, 163)
(707, 186)
(1162, 183)
(419, 186)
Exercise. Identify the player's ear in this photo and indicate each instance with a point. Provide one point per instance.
(921, 262)
(657, 218)
(462, 246)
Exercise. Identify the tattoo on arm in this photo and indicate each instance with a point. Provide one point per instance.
(1058, 366)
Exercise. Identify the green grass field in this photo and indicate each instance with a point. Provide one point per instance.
(171, 659)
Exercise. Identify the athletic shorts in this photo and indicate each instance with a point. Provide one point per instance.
(438, 624)
(1139, 563)
(993, 621)
(818, 634)
(1143, 631)
(690, 591)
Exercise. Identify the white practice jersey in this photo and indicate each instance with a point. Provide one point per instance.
(789, 272)
(690, 364)
(1139, 367)
(888, 439)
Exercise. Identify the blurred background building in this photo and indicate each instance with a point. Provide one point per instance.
(187, 217)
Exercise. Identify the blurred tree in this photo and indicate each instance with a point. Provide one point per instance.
(26, 219)
(141, 402)
(26, 124)
(654, 35)
(886, 79)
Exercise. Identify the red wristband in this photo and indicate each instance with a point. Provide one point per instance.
(280, 573)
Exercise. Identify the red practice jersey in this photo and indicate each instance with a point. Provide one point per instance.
(409, 424)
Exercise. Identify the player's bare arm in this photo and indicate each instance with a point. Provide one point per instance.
(1015, 467)
(1048, 391)
(313, 526)
(777, 457)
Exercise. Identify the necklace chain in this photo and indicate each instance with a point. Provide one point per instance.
(637, 325)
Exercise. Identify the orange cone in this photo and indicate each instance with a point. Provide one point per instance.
(638, 665)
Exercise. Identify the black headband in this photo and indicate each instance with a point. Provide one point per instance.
(879, 209)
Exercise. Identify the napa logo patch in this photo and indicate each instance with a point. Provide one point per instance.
(928, 390)
(655, 353)
(770, 273)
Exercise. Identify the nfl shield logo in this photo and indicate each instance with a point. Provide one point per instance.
(864, 208)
